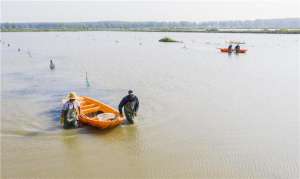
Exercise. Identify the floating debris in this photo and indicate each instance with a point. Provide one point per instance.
(51, 66)
(19, 49)
(29, 54)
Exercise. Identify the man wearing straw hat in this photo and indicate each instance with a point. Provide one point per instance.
(70, 112)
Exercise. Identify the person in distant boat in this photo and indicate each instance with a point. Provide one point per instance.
(70, 112)
(230, 48)
(52, 66)
(131, 106)
(237, 48)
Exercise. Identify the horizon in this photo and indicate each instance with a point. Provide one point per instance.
(145, 11)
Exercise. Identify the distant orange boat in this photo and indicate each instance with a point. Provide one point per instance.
(226, 50)
(96, 113)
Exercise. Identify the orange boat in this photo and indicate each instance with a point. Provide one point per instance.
(242, 50)
(98, 114)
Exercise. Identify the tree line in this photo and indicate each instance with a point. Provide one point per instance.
(289, 23)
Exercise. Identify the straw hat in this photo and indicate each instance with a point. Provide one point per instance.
(72, 95)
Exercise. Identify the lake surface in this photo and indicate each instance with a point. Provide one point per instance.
(203, 114)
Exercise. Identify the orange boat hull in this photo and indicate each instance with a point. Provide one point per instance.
(226, 50)
(90, 107)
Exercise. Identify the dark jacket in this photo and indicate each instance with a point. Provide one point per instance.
(131, 98)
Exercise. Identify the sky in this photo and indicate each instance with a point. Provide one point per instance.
(142, 10)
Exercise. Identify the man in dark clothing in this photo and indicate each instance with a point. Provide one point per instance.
(230, 48)
(131, 106)
(237, 48)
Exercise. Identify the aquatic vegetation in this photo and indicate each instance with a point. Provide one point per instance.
(87, 80)
(212, 30)
(167, 39)
(283, 30)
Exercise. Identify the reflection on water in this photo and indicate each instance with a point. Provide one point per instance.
(204, 114)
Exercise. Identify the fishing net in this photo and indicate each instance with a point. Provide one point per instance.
(106, 116)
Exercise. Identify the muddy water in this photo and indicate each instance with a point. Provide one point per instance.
(203, 114)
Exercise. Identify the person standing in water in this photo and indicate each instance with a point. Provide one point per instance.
(131, 106)
(230, 48)
(237, 48)
(70, 112)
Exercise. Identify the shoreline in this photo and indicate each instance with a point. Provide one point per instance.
(254, 31)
